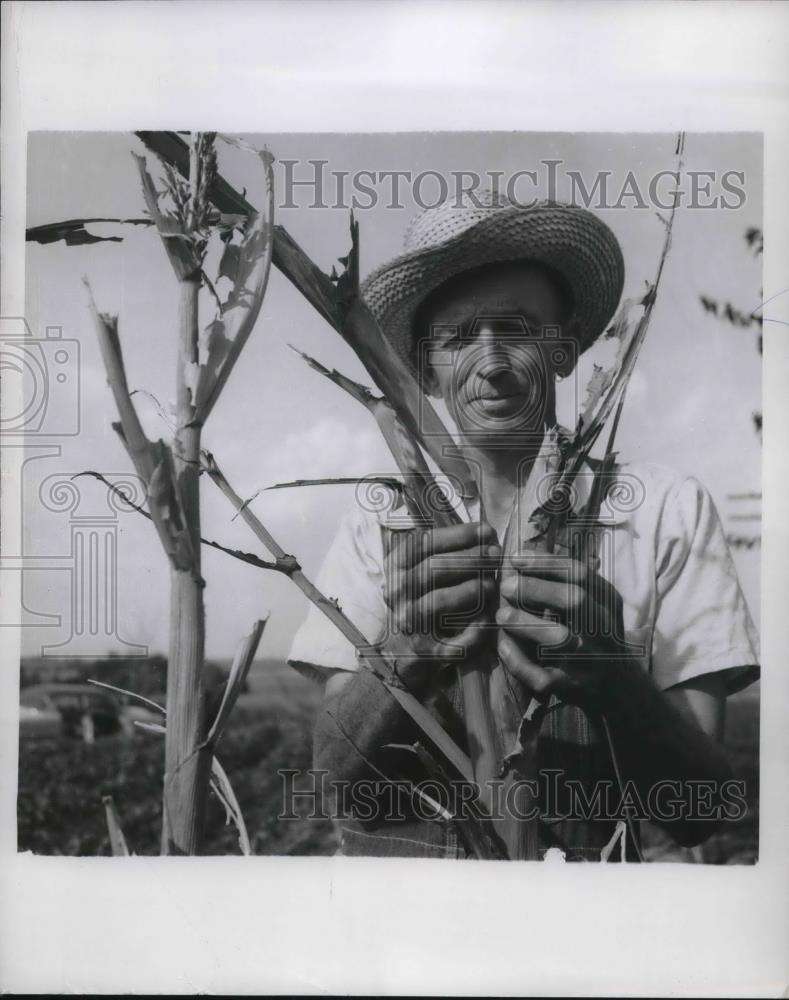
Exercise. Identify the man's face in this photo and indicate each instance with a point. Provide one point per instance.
(489, 354)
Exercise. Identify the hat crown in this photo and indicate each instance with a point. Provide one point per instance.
(436, 225)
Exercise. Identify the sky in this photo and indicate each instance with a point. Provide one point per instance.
(689, 404)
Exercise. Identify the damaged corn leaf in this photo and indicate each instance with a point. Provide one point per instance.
(630, 343)
(229, 262)
(426, 499)
(621, 330)
(347, 283)
(166, 509)
(246, 557)
(369, 657)
(392, 484)
(129, 694)
(226, 335)
(152, 460)
(242, 662)
(184, 254)
(74, 232)
(221, 787)
(150, 727)
(359, 392)
(165, 417)
(118, 844)
(134, 439)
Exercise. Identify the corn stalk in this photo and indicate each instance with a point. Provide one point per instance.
(406, 418)
(551, 522)
(370, 657)
(337, 300)
(171, 472)
(428, 504)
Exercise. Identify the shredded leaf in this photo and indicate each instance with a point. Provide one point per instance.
(118, 844)
(242, 662)
(393, 484)
(74, 232)
(184, 256)
(622, 330)
(247, 266)
(220, 785)
(129, 694)
(228, 265)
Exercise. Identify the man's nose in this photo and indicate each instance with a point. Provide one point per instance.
(491, 357)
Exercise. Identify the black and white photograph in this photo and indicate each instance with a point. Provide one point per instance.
(392, 495)
(392, 458)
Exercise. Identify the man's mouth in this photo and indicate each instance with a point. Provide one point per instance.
(497, 398)
(504, 405)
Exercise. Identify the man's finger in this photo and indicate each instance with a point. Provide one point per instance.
(466, 642)
(540, 680)
(557, 568)
(437, 572)
(535, 594)
(416, 546)
(437, 608)
(551, 566)
(533, 629)
(449, 568)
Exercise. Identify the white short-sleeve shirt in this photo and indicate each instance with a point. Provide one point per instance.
(664, 550)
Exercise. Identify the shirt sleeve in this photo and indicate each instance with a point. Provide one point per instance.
(352, 574)
(702, 623)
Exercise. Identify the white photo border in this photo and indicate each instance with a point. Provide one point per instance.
(315, 925)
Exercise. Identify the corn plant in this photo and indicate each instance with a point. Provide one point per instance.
(200, 201)
(186, 222)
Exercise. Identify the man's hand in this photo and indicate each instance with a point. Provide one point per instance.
(439, 589)
(561, 628)
(658, 735)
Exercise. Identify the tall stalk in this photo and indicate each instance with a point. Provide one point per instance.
(187, 763)
(186, 221)
(418, 424)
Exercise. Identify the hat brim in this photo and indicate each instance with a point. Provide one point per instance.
(567, 238)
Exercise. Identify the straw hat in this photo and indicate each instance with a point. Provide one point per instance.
(444, 241)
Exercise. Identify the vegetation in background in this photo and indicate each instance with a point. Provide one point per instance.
(62, 782)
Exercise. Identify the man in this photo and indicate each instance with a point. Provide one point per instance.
(490, 305)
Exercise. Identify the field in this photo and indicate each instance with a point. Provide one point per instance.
(61, 782)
